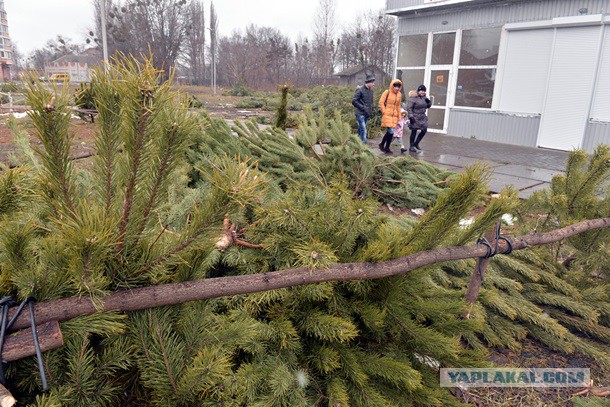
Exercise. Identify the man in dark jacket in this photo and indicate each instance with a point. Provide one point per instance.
(363, 104)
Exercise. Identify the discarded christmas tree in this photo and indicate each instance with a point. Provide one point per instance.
(257, 202)
(282, 110)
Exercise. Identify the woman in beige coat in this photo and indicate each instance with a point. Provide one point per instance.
(389, 104)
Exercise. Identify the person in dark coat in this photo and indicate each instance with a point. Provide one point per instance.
(363, 105)
(416, 108)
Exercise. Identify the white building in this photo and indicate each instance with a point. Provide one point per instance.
(77, 66)
(533, 73)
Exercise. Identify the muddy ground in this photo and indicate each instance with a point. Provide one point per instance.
(83, 131)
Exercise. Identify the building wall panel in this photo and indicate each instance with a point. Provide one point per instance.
(597, 133)
(495, 126)
(495, 15)
(394, 4)
(600, 109)
(524, 77)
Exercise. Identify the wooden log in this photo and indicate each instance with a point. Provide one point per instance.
(21, 344)
(6, 398)
(169, 294)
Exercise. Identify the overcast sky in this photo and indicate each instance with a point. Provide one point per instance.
(33, 22)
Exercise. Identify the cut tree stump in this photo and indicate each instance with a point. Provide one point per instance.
(6, 398)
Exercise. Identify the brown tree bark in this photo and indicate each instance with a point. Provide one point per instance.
(21, 344)
(176, 293)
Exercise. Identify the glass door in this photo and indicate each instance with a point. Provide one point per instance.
(438, 94)
(440, 74)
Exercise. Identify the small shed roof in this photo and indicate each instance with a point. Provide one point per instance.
(82, 59)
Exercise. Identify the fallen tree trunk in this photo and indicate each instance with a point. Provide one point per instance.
(21, 344)
(176, 293)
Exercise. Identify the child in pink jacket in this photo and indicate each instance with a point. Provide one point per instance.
(398, 130)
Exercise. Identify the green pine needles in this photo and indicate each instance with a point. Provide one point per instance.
(174, 196)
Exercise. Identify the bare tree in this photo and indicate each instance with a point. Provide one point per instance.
(53, 49)
(17, 58)
(324, 27)
(278, 55)
(351, 49)
(119, 35)
(139, 27)
(301, 72)
(260, 57)
(194, 46)
(369, 40)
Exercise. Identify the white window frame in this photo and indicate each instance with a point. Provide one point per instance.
(454, 70)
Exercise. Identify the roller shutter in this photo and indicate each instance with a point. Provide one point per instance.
(528, 55)
(570, 86)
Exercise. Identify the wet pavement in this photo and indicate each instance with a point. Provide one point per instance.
(528, 169)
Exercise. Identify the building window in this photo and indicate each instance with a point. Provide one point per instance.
(475, 87)
(412, 50)
(475, 62)
(477, 67)
(442, 48)
(480, 47)
(411, 78)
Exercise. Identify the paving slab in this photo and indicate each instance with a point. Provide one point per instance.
(528, 169)
(526, 193)
(453, 168)
(499, 181)
(455, 160)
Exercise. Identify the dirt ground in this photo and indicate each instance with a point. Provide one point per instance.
(83, 131)
(534, 354)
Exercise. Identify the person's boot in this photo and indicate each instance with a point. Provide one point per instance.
(419, 139)
(403, 150)
(413, 149)
(385, 142)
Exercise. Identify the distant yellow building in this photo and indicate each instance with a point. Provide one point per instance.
(6, 52)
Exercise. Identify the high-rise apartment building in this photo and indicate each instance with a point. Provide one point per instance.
(6, 53)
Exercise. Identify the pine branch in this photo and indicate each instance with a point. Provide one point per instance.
(168, 294)
(175, 250)
(159, 177)
(131, 183)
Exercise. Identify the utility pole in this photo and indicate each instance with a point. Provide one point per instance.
(213, 44)
(104, 38)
